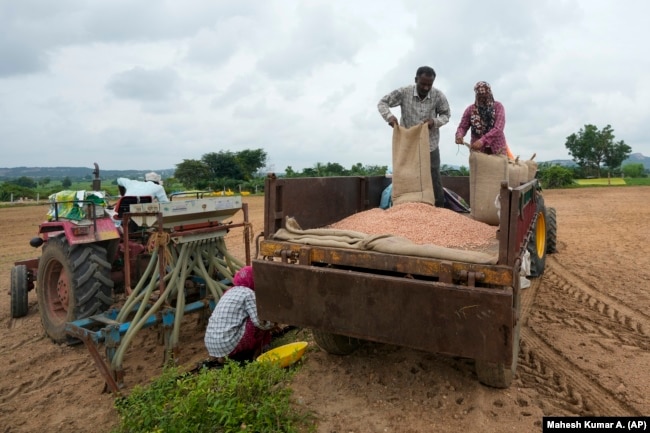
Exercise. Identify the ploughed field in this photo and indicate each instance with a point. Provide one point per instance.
(585, 343)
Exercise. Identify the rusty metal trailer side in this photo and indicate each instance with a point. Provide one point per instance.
(440, 306)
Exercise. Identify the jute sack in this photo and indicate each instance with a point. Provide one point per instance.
(517, 173)
(486, 172)
(412, 165)
(532, 169)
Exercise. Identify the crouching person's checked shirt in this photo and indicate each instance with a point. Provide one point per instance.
(234, 326)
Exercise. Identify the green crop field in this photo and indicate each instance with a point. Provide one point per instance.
(601, 181)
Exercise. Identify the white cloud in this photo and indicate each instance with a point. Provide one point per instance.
(167, 81)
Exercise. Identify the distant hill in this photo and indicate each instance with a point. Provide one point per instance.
(635, 158)
(76, 173)
(86, 173)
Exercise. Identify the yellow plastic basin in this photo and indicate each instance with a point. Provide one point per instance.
(285, 355)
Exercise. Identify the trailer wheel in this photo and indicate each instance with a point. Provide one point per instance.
(334, 343)
(19, 289)
(499, 375)
(73, 283)
(537, 244)
(551, 230)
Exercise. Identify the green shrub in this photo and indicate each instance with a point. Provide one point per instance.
(254, 397)
(555, 176)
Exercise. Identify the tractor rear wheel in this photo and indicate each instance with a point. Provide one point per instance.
(73, 283)
(334, 343)
(538, 242)
(551, 230)
(19, 289)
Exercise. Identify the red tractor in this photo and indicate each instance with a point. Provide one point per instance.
(91, 251)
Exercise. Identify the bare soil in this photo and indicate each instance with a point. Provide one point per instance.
(585, 343)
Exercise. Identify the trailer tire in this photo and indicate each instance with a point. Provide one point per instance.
(537, 244)
(551, 230)
(334, 343)
(73, 283)
(19, 289)
(500, 375)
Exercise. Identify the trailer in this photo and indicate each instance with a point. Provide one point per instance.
(347, 295)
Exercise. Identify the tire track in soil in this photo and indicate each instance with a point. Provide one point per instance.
(591, 297)
(566, 388)
(21, 343)
(35, 384)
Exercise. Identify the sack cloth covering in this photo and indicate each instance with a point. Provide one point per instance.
(412, 165)
(381, 243)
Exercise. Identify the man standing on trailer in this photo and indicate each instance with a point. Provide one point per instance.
(421, 102)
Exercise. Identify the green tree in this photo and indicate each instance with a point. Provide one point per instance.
(615, 154)
(250, 161)
(193, 173)
(592, 148)
(223, 164)
(633, 170)
(24, 181)
(66, 182)
(289, 172)
(335, 169)
(554, 176)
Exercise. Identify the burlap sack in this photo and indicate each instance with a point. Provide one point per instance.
(486, 172)
(412, 165)
(532, 169)
(517, 173)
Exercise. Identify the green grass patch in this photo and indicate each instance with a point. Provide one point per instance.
(616, 181)
(253, 397)
(638, 181)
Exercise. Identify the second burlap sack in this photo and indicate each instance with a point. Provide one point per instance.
(486, 172)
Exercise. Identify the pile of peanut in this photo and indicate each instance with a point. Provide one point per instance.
(422, 224)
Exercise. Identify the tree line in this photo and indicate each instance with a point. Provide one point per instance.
(593, 150)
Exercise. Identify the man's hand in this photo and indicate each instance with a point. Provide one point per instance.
(431, 122)
(459, 140)
(392, 121)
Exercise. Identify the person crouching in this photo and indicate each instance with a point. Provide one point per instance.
(234, 329)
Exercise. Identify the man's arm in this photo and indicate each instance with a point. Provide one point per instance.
(161, 195)
(442, 111)
(393, 99)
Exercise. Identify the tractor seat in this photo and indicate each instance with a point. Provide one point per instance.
(124, 203)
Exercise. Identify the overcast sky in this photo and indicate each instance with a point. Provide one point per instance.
(146, 84)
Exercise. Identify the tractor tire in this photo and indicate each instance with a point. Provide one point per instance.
(19, 289)
(551, 231)
(73, 283)
(334, 343)
(537, 245)
(500, 375)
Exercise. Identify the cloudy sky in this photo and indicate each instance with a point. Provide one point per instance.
(146, 84)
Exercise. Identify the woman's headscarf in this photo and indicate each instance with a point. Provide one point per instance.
(482, 119)
(244, 277)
